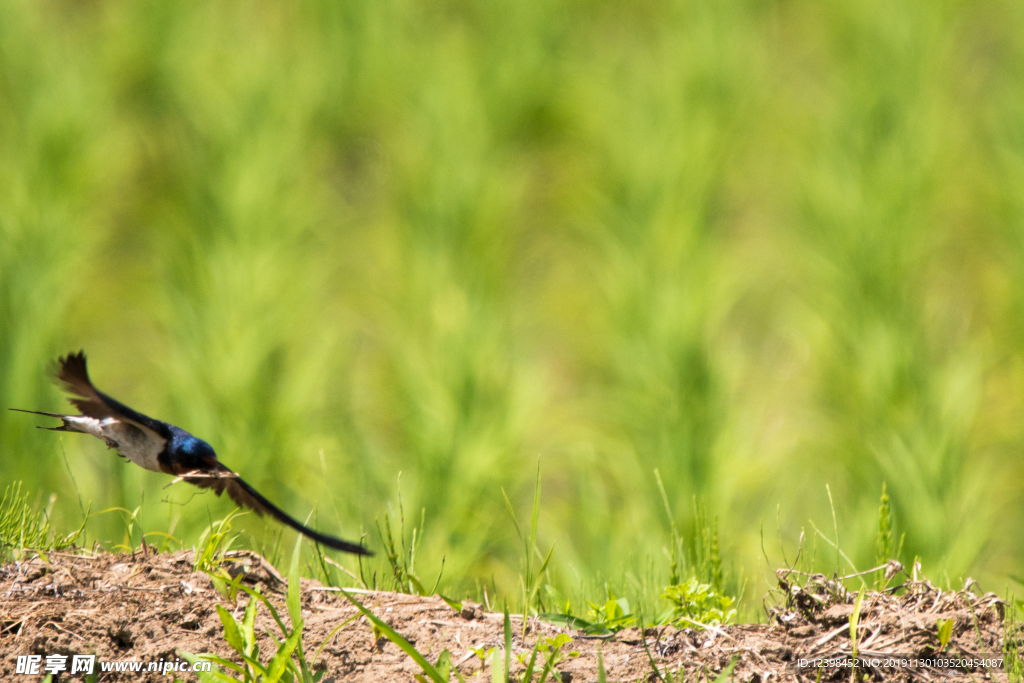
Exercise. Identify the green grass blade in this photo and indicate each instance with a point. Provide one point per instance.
(232, 633)
(295, 587)
(330, 635)
(248, 625)
(251, 661)
(643, 639)
(546, 671)
(266, 603)
(945, 632)
(498, 675)
(396, 638)
(212, 676)
(540, 573)
(727, 671)
(444, 664)
(507, 626)
(528, 674)
(534, 519)
(569, 621)
(283, 655)
(855, 620)
(512, 514)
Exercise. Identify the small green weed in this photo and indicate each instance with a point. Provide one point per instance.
(613, 615)
(130, 518)
(553, 651)
(484, 654)
(944, 632)
(210, 551)
(697, 604)
(529, 662)
(885, 547)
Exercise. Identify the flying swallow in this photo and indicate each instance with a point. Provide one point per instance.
(161, 447)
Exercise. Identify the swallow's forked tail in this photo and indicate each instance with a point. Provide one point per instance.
(68, 425)
(283, 517)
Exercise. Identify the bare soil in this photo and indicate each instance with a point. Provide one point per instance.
(151, 607)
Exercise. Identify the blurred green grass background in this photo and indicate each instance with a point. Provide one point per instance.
(761, 246)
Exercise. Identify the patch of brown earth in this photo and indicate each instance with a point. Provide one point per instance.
(147, 608)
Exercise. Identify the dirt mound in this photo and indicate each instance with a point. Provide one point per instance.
(148, 608)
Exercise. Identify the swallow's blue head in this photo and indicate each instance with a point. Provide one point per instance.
(188, 452)
(198, 448)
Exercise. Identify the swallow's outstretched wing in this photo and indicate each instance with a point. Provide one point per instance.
(137, 437)
(73, 374)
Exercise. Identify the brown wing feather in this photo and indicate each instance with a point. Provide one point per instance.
(235, 492)
(73, 374)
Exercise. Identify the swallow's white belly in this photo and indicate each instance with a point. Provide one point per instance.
(135, 442)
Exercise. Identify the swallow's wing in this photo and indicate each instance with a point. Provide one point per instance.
(246, 496)
(226, 480)
(73, 375)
